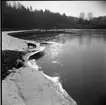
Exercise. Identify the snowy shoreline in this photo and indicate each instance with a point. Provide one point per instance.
(29, 86)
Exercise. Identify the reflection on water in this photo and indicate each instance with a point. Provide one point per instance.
(55, 50)
(80, 61)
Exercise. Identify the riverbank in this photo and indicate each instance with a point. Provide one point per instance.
(37, 34)
(25, 84)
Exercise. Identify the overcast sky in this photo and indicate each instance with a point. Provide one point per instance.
(70, 8)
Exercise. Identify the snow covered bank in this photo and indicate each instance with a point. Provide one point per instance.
(29, 86)
(12, 43)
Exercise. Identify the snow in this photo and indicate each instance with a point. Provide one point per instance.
(12, 43)
(29, 86)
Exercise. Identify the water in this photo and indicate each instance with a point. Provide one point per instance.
(80, 62)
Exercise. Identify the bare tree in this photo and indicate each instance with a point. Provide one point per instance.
(90, 16)
(82, 15)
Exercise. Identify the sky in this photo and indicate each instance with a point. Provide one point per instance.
(70, 8)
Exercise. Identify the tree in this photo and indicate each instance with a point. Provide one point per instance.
(90, 16)
(30, 8)
(14, 4)
(19, 5)
(17, 16)
(82, 15)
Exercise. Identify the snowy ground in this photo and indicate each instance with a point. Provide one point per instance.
(29, 86)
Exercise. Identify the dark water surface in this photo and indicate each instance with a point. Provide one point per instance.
(80, 61)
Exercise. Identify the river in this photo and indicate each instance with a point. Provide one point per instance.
(80, 62)
(79, 59)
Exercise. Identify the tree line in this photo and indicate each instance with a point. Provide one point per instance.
(17, 17)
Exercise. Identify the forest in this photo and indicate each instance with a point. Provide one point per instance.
(18, 17)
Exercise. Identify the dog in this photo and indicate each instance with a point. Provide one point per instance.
(31, 45)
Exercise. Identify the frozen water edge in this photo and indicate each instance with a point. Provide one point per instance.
(29, 86)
